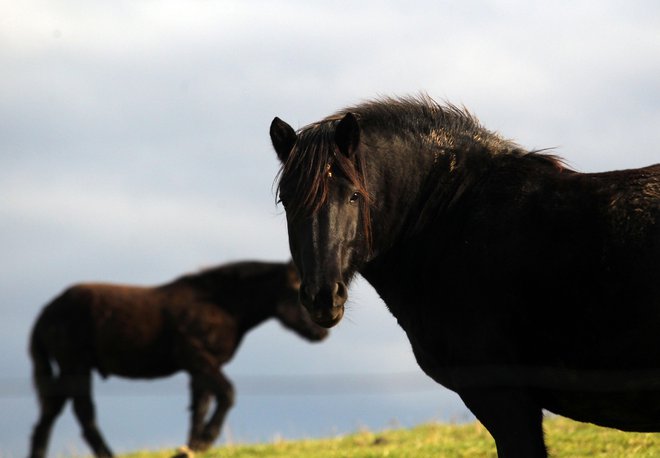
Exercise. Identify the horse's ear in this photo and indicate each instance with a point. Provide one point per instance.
(283, 138)
(347, 135)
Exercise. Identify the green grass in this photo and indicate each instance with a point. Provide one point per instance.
(565, 438)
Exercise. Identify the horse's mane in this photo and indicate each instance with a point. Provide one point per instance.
(421, 118)
(418, 121)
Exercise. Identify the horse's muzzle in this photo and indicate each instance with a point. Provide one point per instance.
(326, 304)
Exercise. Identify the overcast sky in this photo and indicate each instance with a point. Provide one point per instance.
(134, 134)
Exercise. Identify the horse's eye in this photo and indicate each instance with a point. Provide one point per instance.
(355, 197)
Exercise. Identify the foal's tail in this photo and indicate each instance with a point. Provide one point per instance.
(42, 369)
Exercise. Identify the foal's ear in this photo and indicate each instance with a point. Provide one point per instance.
(347, 135)
(283, 138)
(292, 275)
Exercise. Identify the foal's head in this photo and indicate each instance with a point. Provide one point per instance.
(290, 312)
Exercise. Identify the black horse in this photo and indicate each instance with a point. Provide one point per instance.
(194, 324)
(522, 285)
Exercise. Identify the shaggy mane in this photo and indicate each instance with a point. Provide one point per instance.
(303, 180)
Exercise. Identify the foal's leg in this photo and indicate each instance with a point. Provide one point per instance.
(512, 418)
(224, 399)
(83, 407)
(50, 405)
(199, 407)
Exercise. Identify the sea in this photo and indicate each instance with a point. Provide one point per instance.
(140, 415)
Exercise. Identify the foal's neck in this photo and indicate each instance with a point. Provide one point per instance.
(257, 305)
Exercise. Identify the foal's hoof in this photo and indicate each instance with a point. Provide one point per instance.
(198, 445)
(183, 452)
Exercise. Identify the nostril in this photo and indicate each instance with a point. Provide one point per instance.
(327, 297)
(306, 296)
(341, 291)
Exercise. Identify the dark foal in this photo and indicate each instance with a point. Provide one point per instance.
(192, 324)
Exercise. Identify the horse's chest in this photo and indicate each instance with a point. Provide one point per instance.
(447, 330)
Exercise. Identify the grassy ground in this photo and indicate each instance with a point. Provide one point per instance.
(565, 438)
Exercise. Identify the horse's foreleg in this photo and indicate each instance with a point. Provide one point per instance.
(199, 406)
(83, 407)
(223, 390)
(512, 418)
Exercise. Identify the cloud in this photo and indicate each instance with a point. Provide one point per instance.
(171, 70)
(146, 223)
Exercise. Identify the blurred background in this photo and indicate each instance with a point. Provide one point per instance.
(134, 148)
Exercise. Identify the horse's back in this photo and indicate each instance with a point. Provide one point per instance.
(631, 202)
(607, 260)
(589, 276)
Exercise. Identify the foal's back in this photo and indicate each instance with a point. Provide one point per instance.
(130, 331)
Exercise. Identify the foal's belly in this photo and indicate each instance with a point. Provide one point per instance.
(138, 363)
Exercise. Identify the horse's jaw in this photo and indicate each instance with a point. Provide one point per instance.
(325, 317)
(324, 301)
(324, 311)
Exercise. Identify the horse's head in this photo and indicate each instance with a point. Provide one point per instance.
(292, 315)
(322, 188)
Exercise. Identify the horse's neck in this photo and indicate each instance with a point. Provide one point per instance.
(403, 182)
(418, 187)
(438, 220)
(423, 196)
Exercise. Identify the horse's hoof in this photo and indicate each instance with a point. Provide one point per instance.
(183, 452)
